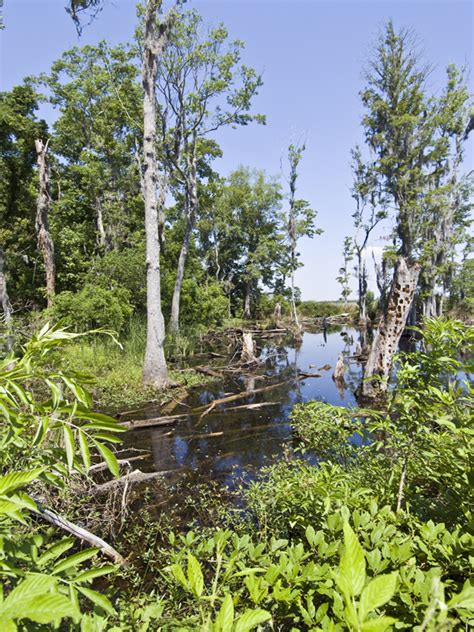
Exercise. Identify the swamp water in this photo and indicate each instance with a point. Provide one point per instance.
(229, 445)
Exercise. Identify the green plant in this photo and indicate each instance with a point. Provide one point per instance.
(47, 431)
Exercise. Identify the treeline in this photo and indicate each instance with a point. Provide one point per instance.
(222, 239)
(118, 209)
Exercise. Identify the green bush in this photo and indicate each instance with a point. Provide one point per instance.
(93, 307)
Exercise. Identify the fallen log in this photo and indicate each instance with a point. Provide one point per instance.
(153, 421)
(79, 532)
(99, 467)
(231, 398)
(137, 476)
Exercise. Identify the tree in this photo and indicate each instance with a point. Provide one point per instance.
(203, 87)
(411, 136)
(156, 38)
(244, 236)
(448, 204)
(19, 128)
(370, 211)
(400, 132)
(300, 221)
(344, 274)
(97, 144)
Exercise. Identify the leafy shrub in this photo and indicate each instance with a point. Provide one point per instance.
(47, 431)
(93, 307)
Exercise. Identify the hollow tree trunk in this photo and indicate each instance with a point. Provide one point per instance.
(43, 203)
(155, 371)
(392, 324)
(192, 210)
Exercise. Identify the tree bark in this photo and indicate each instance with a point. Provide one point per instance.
(155, 371)
(5, 304)
(192, 211)
(247, 301)
(392, 324)
(4, 298)
(43, 204)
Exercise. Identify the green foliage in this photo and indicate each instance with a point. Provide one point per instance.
(93, 307)
(47, 431)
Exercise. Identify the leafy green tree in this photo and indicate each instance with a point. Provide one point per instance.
(246, 235)
(97, 141)
(448, 202)
(19, 128)
(202, 87)
(404, 130)
(344, 272)
(300, 220)
(370, 211)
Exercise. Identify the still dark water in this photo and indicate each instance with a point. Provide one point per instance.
(228, 445)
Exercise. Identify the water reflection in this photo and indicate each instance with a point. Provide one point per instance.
(227, 443)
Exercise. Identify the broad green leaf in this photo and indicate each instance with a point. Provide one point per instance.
(109, 458)
(45, 608)
(14, 480)
(54, 551)
(250, 619)
(97, 598)
(179, 575)
(195, 576)
(225, 618)
(69, 446)
(85, 452)
(74, 560)
(465, 599)
(95, 572)
(351, 575)
(377, 593)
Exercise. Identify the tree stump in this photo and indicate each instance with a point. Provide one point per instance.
(248, 354)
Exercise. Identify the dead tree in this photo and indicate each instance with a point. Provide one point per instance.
(392, 324)
(43, 206)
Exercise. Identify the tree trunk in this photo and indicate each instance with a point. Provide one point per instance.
(192, 210)
(43, 203)
(5, 303)
(293, 301)
(362, 287)
(247, 301)
(392, 324)
(155, 371)
(101, 234)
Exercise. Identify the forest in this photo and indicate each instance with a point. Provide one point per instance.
(186, 443)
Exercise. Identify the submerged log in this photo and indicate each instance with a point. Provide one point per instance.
(304, 374)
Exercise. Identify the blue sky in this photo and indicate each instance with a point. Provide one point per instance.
(311, 54)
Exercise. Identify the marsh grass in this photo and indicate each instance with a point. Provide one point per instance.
(116, 369)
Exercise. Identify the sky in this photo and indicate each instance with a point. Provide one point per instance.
(312, 55)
